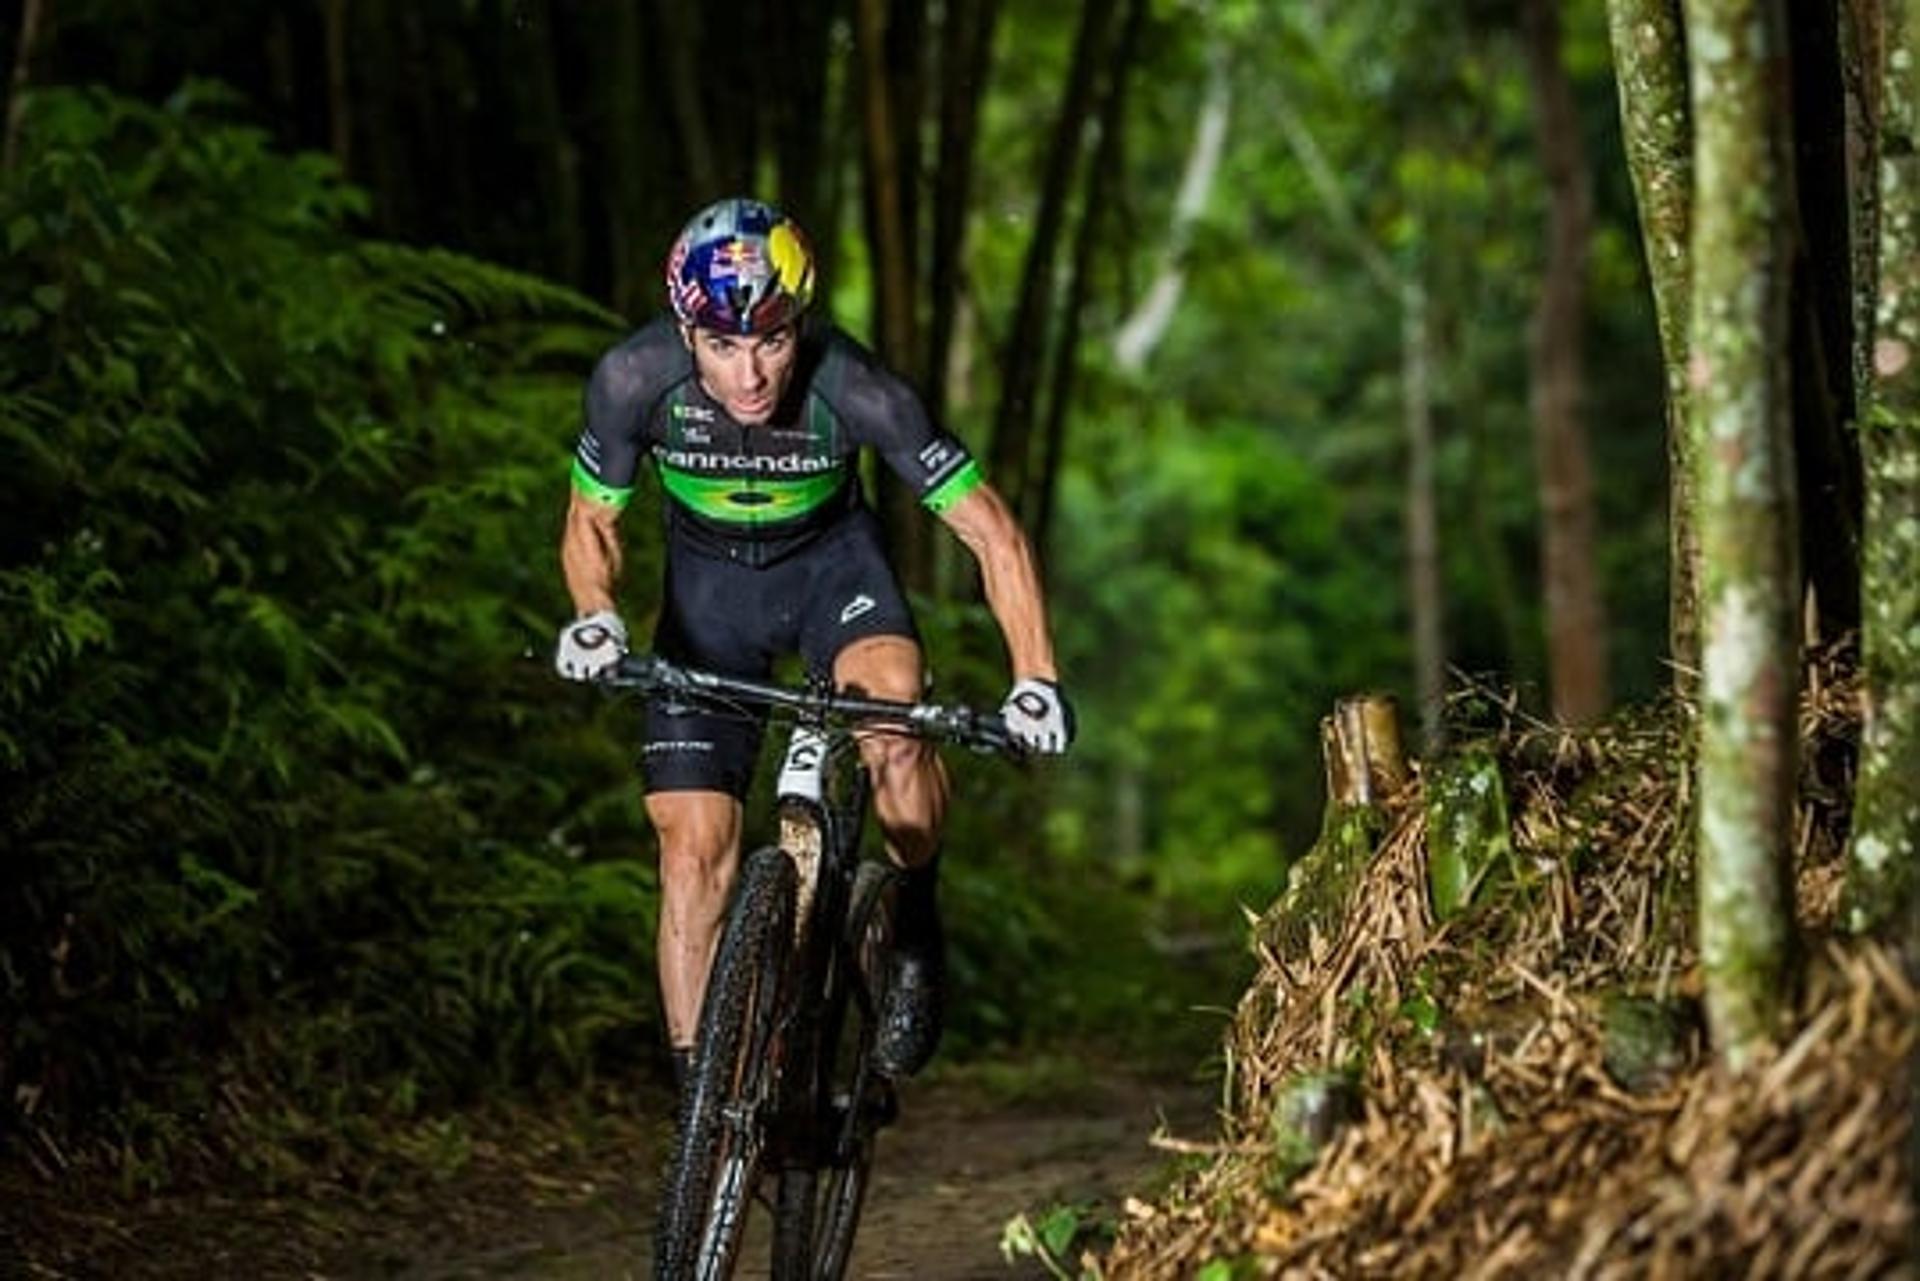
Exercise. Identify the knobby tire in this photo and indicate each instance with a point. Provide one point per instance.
(730, 1094)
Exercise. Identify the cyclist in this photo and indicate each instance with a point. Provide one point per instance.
(753, 411)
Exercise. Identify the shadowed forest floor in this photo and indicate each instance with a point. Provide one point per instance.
(544, 1202)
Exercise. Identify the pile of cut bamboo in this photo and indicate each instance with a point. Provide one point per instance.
(1499, 1136)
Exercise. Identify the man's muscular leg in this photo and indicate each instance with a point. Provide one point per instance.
(910, 801)
(699, 855)
(909, 782)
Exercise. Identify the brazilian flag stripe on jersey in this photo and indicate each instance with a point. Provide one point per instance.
(599, 491)
(751, 500)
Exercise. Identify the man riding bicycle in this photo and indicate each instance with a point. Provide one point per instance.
(754, 413)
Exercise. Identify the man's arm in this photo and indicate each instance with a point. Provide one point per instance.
(590, 553)
(1011, 576)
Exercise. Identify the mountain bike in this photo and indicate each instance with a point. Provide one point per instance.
(782, 1082)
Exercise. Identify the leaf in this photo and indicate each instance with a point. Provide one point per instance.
(21, 232)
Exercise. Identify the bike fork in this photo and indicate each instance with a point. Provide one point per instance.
(801, 790)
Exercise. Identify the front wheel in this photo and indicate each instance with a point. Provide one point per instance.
(859, 1101)
(728, 1102)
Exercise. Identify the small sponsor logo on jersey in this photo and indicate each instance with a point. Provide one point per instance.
(937, 455)
(693, 413)
(861, 604)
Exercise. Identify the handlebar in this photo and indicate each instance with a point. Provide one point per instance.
(652, 674)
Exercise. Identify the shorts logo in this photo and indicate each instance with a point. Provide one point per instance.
(861, 604)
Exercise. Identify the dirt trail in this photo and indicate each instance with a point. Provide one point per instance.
(543, 1200)
(948, 1177)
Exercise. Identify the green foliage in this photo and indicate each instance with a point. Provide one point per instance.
(274, 779)
(1247, 604)
(1052, 1240)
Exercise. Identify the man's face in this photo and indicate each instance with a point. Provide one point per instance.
(747, 375)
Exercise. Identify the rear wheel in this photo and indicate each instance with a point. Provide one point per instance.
(860, 1101)
(730, 1095)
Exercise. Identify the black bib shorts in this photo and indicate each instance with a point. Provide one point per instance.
(733, 618)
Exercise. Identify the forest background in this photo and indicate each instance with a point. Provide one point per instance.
(299, 831)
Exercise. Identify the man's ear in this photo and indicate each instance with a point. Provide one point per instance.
(686, 336)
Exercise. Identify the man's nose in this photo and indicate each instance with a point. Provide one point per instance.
(755, 370)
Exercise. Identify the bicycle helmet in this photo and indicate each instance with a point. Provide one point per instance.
(740, 267)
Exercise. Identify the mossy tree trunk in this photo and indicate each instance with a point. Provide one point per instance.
(1886, 820)
(1650, 65)
(1744, 480)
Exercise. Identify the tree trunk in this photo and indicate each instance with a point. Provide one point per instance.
(618, 66)
(1012, 456)
(1102, 176)
(1143, 329)
(1742, 279)
(32, 17)
(680, 24)
(283, 77)
(890, 242)
(1576, 612)
(1860, 46)
(965, 56)
(1650, 64)
(528, 50)
(339, 87)
(1886, 819)
(804, 33)
(889, 239)
(383, 165)
(1423, 523)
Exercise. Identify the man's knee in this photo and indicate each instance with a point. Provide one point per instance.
(881, 667)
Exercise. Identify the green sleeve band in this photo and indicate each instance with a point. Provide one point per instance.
(941, 498)
(587, 485)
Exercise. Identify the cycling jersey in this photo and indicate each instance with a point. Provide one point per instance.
(756, 494)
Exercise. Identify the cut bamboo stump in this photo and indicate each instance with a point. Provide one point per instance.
(1365, 764)
(1360, 743)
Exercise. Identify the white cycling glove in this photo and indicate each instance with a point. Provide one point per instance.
(1038, 717)
(590, 645)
